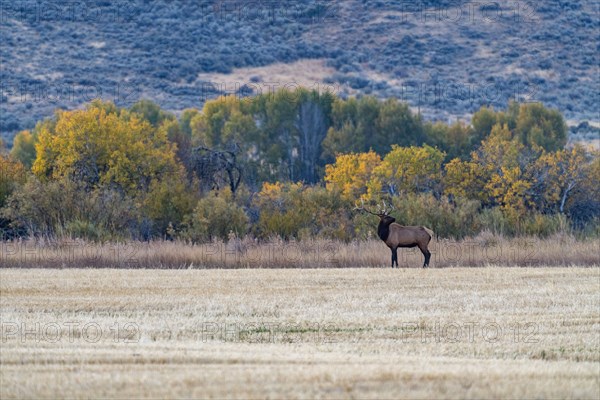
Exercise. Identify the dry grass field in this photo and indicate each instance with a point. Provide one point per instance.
(300, 333)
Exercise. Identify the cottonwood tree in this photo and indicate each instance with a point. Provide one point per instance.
(533, 124)
(558, 175)
(354, 124)
(351, 174)
(312, 122)
(409, 170)
(395, 125)
(538, 126)
(223, 122)
(496, 174)
(151, 112)
(24, 147)
(96, 148)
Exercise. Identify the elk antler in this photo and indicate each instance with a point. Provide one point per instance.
(385, 208)
(380, 212)
(363, 208)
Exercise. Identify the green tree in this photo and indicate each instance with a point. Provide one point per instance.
(354, 124)
(278, 140)
(359, 125)
(223, 123)
(225, 139)
(483, 121)
(151, 112)
(542, 127)
(396, 125)
(24, 148)
(181, 141)
(185, 121)
(312, 123)
(457, 140)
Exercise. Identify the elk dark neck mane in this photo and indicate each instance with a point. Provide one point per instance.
(383, 230)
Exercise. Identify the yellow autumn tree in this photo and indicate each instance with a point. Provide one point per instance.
(351, 174)
(464, 179)
(496, 175)
(558, 175)
(409, 169)
(510, 189)
(12, 174)
(97, 148)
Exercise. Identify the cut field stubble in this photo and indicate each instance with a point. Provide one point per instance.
(321, 333)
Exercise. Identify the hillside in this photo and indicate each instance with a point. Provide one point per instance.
(446, 58)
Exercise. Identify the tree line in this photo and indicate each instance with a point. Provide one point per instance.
(292, 164)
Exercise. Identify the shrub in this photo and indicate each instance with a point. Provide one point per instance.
(12, 176)
(64, 208)
(282, 212)
(544, 225)
(215, 217)
(330, 214)
(494, 221)
(501, 223)
(447, 219)
(302, 212)
(167, 203)
(87, 230)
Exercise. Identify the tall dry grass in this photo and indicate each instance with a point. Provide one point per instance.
(485, 249)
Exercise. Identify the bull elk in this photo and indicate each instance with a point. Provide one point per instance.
(395, 235)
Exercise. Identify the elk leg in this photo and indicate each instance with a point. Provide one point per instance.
(427, 256)
(394, 257)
